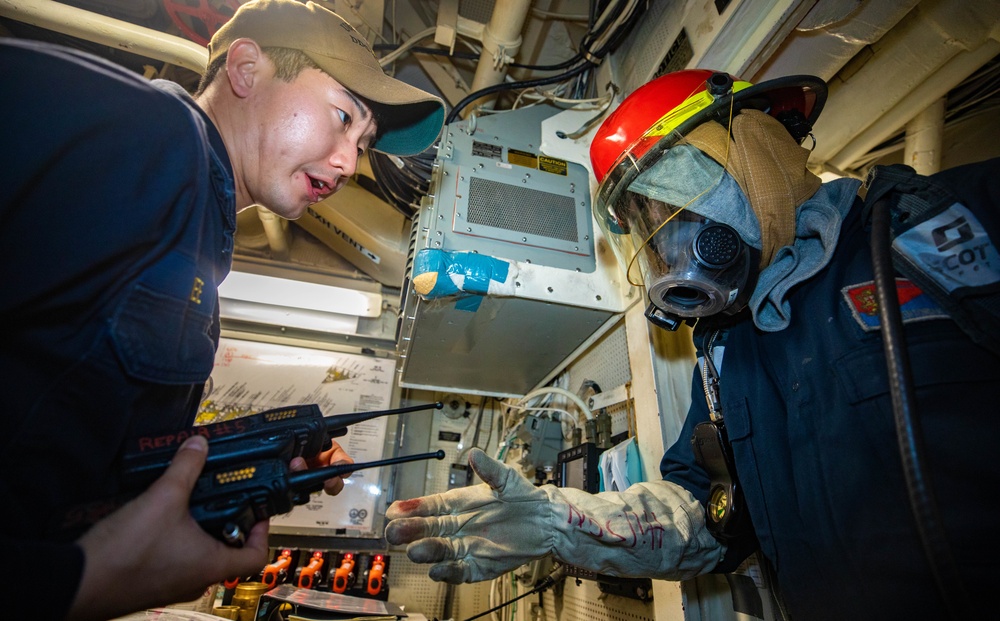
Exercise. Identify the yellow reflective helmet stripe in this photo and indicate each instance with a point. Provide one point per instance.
(688, 108)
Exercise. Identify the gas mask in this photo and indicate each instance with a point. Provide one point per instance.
(678, 223)
(685, 225)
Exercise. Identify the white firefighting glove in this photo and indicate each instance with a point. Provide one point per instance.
(655, 529)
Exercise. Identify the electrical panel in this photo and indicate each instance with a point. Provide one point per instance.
(494, 193)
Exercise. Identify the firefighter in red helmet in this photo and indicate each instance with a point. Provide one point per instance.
(797, 450)
(668, 223)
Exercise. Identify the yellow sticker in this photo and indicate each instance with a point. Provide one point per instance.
(552, 165)
(522, 158)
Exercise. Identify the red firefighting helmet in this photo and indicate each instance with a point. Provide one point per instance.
(675, 103)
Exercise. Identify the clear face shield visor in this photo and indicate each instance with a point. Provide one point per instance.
(682, 227)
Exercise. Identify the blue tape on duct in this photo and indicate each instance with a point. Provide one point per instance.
(469, 303)
(479, 270)
(440, 273)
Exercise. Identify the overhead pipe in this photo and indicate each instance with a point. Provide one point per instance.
(830, 35)
(934, 87)
(932, 49)
(115, 33)
(501, 39)
(276, 230)
(924, 137)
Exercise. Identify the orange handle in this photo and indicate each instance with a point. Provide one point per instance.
(307, 576)
(342, 577)
(276, 569)
(375, 578)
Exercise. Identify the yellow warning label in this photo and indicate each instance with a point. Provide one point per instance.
(522, 158)
(552, 165)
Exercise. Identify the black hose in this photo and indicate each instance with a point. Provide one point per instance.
(585, 43)
(908, 434)
(566, 63)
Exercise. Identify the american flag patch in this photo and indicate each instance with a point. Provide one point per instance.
(914, 304)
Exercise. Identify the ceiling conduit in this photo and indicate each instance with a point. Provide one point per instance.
(933, 49)
(831, 34)
(924, 139)
(501, 40)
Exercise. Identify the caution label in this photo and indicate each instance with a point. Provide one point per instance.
(552, 165)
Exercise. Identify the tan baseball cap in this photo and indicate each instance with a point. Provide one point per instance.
(413, 118)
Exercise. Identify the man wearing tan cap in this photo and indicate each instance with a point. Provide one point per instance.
(340, 93)
(119, 209)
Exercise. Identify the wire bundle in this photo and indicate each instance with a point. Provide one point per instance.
(603, 36)
(403, 181)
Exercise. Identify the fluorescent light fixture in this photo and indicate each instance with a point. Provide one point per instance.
(295, 294)
(295, 304)
(288, 317)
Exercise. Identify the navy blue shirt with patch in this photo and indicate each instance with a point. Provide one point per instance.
(118, 215)
(810, 419)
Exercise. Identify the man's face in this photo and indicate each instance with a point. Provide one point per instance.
(311, 132)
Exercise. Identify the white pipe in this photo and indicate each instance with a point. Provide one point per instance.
(934, 87)
(501, 39)
(114, 33)
(389, 58)
(827, 38)
(929, 51)
(924, 135)
(276, 229)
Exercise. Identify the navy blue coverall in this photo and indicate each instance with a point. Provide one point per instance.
(117, 215)
(809, 416)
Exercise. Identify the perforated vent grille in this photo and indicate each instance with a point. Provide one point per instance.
(521, 209)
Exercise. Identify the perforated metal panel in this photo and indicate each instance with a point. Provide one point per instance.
(494, 192)
(410, 587)
(409, 584)
(520, 209)
(641, 53)
(606, 362)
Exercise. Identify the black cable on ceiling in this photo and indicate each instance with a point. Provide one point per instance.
(403, 181)
(389, 47)
(585, 44)
(506, 86)
(592, 60)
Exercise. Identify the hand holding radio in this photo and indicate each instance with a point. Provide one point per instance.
(654, 529)
(258, 466)
(150, 552)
